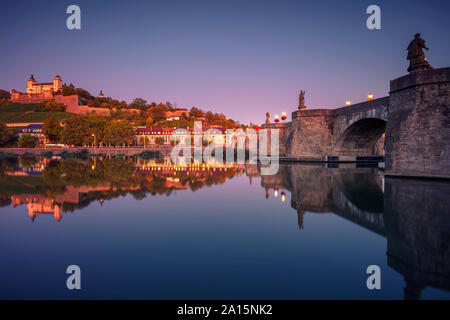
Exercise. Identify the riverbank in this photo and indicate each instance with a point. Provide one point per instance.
(106, 151)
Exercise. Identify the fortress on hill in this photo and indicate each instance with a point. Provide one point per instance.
(39, 92)
(35, 87)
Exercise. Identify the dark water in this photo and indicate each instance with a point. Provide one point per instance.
(152, 230)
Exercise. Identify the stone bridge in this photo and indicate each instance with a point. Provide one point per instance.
(410, 129)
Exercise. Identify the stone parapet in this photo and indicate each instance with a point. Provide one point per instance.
(427, 77)
(362, 106)
(312, 113)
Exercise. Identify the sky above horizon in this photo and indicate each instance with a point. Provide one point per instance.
(240, 58)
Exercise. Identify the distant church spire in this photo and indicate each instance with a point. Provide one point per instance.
(100, 95)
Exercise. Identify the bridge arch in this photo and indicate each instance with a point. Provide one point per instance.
(364, 137)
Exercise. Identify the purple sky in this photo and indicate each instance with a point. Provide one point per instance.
(241, 58)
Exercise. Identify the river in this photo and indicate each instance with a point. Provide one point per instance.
(149, 229)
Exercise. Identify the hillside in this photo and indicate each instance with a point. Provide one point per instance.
(32, 112)
(40, 116)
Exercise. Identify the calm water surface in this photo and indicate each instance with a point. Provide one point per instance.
(146, 229)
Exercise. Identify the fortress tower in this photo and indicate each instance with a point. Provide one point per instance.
(57, 83)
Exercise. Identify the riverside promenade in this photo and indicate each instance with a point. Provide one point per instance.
(107, 151)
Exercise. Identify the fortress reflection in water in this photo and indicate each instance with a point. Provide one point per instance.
(413, 215)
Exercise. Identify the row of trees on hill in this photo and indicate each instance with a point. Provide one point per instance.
(153, 114)
(4, 94)
(149, 113)
(83, 130)
(50, 106)
(46, 106)
(68, 90)
(4, 97)
(108, 103)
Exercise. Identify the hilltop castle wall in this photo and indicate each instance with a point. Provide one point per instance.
(41, 92)
(72, 104)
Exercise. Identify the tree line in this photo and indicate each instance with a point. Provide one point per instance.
(85, 130)
(150, 113)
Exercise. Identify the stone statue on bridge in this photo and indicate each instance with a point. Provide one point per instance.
(301, 100)
(416, 56)
(267, 118)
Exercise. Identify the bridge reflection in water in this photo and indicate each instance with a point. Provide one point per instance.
(413, 214)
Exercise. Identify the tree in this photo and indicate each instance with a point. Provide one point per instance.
(53, 129)
(76, 131)
(159, 112)
(109, 103)
(68, 90)
(195, 112)
(83, 93)
(117, 133)
(83, 130)
(149, 121)
(209, 116)
(96, 102)
(4, 102)
(71, 90)
(139, 103)
(122, 105)
(96, 125)
(4, 94)
(28, 141)
(6, 134)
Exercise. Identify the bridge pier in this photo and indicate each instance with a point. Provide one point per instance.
(310, 137)
(418, 125)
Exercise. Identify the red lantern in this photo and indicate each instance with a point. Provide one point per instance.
(283, 116)
(276, 118)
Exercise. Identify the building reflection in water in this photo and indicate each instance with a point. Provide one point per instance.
(413, 214)
(54, 186)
